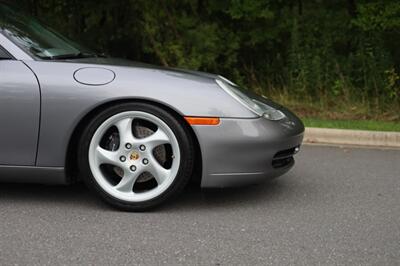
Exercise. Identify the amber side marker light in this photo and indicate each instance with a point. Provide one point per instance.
(205, 121)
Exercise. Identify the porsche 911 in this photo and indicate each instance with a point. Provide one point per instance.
(136, 134)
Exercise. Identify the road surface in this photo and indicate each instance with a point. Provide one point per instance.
(337, 206)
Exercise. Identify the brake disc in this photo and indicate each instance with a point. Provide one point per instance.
(159, 152)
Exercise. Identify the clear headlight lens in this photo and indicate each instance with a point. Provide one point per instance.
(270, 112)
(274, 115)
(253, 105)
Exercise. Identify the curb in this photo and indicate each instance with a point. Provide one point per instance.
(352, 137)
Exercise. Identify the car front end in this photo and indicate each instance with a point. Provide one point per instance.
(242, 151)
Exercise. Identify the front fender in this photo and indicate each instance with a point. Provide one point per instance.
(65, 101)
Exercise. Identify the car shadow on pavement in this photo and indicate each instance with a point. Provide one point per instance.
(194, 197)
(78, 195)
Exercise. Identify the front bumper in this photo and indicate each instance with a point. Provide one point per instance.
(244, 151)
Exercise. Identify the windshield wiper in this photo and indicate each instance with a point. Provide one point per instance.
(72, 56)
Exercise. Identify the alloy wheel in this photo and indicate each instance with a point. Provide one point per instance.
(134, 156)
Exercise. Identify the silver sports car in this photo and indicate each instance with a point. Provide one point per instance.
(134, 133)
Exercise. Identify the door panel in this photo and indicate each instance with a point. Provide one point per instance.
(19, 114)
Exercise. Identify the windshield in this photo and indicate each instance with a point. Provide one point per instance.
(36, 39)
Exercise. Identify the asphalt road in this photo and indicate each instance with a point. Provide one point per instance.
(337, 206)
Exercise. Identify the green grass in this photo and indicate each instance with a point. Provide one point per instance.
(353, 124)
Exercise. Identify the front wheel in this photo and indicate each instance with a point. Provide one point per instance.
(136, 156)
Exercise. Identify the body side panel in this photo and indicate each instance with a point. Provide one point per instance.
(19, 114)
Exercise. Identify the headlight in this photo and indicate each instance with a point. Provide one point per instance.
(257, 107)
(270, 113)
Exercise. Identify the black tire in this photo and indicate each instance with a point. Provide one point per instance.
(186, 147)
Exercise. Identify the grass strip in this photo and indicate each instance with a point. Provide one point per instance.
(353, 124)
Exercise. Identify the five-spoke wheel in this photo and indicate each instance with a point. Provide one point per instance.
(137, 155)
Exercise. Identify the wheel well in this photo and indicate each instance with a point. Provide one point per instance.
(71, 164)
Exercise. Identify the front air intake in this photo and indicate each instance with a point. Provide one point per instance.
(284, 158)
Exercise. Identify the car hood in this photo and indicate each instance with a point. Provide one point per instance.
(110, 61)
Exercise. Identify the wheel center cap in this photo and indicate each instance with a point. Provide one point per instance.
(134, 156)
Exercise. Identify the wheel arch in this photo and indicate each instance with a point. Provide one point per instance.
(71, 163)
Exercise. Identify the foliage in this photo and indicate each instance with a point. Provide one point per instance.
(315, 51)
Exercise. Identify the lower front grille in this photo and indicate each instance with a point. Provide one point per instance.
(284, 158)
